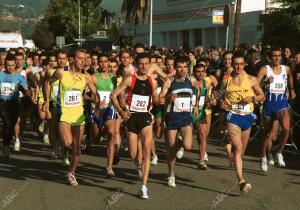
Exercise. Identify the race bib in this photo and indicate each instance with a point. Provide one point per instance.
(194, 100)
(139, 103)
(241, 108)
(201, 101)
(277, 87)
(55, 91)
(104, 97)
(182, 105)
(8, 89)
(158, 90)
(72, 98)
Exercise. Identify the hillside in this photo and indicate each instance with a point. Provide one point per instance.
(37, 5)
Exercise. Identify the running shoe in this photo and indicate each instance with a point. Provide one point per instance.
(245, 186)
(280, 161)
(143, 193)
(264, 164)
(206, 157)
(179, 153)
(5, 152)
(154, 160)
(202, 165)
(41, 127)
(72, 179)
(17, 146)
(109, 172)
(270, 159)
(66, 161)
(46, 139)
(171, 181)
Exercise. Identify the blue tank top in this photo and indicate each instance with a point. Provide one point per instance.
(10, 85)
(277, 91)
(184, 91)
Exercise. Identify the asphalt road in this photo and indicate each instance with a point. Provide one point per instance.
(29, 180)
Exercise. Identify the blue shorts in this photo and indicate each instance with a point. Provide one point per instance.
(106, 114)
(271, 108)
(242, 121)
(175, 120)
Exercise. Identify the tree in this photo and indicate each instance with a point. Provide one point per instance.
(135, 10)
(42, 37)
(61, 17)
(282, 25)
(237, 23)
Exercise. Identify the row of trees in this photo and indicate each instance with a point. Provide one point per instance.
(61, 19)
(281, 25)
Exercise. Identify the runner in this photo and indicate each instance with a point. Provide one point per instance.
(10, 84)
(241, 92)
(137, 116)
(278, 88)
(206, 101)
(177, 94)
(72, 84)
(108, 116)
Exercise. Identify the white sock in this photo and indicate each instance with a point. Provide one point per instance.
(18, 140)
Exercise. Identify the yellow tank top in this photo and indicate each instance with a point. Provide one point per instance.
(71, 90)
(235, 95)
(54, 87)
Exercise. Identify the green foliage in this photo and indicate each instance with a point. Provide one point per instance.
(282, 25)
(135, 10)
(61, 17)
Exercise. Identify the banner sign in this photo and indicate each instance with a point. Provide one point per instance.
(10, 40)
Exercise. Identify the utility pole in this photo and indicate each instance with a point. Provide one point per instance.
(79, 20)
(151, 23)
(237, 23)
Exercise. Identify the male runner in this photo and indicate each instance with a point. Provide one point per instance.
(142, 94)
(279, 88)
(72, 84)
(241, 92)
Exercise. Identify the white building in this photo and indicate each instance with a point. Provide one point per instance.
(190, 21)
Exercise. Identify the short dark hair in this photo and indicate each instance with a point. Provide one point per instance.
(75, 51)
(45, 62)
(139, 45)
(238, 55)
(142, 56)
(100, 55)
(274, 50)
(10, 57)
(181, 59)
(19, 54)
(62, 52)
(198, 66)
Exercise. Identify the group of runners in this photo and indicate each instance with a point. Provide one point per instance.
(134, 97)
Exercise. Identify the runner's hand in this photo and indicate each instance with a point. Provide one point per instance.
(271, 79)
(248, 99)
(292, 94)
(162, 101)
(122, 103)
(45, 106)
(125, 115)
(213, 102)
(196, 111)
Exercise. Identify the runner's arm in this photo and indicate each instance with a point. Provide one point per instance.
(155, 97)
(155, 69)
(91, 86)
(49, 79)
(121, 88)
(261, 74)
(259, 93)
(290, 83)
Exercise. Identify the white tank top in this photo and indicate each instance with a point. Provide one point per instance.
(279, 85)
